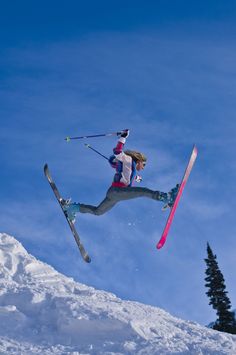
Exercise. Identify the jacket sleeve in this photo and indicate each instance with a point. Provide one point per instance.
(126, 160)
(118, 150)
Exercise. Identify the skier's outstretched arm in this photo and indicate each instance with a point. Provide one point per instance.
(118, 150)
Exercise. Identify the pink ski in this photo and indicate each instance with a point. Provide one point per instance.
(180, 191)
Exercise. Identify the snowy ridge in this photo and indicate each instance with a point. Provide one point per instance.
(45, 312)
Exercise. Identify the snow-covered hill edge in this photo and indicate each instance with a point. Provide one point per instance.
(45, 312)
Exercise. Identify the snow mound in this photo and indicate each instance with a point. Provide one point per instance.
(45, 312)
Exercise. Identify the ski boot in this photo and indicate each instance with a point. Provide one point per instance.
(65, 201)
(70, 209)
(171, 196)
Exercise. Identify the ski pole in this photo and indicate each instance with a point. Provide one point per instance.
(97, 135)
(96, 151)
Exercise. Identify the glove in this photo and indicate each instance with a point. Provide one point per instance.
(138, 178)
(125, 133)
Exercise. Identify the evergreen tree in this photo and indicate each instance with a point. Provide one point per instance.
(218, 296)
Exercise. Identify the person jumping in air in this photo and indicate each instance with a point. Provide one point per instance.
(126, 163)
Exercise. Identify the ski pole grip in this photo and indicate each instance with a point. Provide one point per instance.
(124, 130)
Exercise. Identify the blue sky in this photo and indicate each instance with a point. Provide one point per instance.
(166, 70)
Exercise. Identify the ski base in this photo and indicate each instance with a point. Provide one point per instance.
(189, 167)
(82, 250)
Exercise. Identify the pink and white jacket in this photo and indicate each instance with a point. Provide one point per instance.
(125, 166)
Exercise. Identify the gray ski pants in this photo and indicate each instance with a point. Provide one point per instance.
(117, 194)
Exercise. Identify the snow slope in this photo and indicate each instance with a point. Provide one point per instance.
(44, 312)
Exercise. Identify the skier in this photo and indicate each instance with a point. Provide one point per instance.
(126, 164)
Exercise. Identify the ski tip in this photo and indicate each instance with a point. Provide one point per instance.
(45, 167)
(195, 149)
